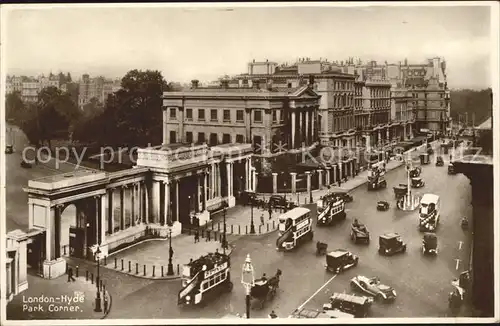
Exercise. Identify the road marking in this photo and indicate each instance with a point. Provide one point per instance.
(458, 263)
(312, 296)
(460, 245)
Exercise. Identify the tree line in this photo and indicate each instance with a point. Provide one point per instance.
(471, 101)
(131, 116)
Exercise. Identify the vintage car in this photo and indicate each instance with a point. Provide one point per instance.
(417, 182)
(248, 198)
(390, 244)
(352, 304)
(451, 169)
(9, 149)
(372, 286)
(429, 244)
(340, 193)
(278, 201)
(400, 190)
(359, 233)
(382, 205)
(415, 172)
(424, 159)
(376, 182)
(439, 161)
(340, 260)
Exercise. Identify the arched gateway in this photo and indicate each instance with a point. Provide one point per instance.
(169, 186)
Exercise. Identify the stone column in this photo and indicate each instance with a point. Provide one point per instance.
(405, 136)
(341, 167)
(388, 134)
(247, 174)
(335, 177)
(111, 221)
(254, 180)
(275, 182)
(218, 180)
(122, 210)
(293, 130)
(206, 188)
(301, 138)
(197, 201)
(308, 128)
(294, 182)
(308, 175)
(166, 204)
(411, 132)
(320, 179)
(228, 172)
(104, 200)
(177, 199)
(379, 140)
(328, 171)
(49, 236)
(147, 205)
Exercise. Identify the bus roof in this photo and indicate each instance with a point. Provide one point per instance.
(294, 213)
(429, 199)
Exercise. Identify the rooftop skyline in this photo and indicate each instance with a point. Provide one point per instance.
(205, 43)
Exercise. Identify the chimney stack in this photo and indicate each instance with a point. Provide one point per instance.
(194, 83)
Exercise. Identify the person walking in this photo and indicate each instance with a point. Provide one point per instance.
(70, 275)
(196, 236)
(262, 219)
(273, 315)
(270, 210)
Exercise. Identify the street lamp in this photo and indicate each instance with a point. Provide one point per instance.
(170, 267)
(224, 241)
(248, 281)
(98, 294)
(252, 226)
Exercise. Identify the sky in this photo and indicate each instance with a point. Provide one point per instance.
(205, 43)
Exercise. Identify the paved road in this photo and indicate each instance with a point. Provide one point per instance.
(422, 283)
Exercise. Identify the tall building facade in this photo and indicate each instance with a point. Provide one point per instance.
(29, 87)
(336, 125)
(98, 88)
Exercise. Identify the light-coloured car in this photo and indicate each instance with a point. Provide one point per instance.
(372, 286)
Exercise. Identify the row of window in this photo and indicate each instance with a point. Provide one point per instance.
(214, 280)
(226, 115)
(375, 104)
(200, 139)
(377, 92)
(415, 95)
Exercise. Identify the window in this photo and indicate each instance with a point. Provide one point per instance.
(289, 85)
(189, 114)
(173, 113)
(227, 115)
(172, 137)
(240, 139)
(213, 115)
(274, 116)
(226, 138)
(257, 117)
(213, 139)
(201, 114)
(189, 137)
(239, 115)
(201, 137)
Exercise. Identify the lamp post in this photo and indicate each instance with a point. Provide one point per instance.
(248, 281)
(170, 267)
(98, 293)
(224, 241)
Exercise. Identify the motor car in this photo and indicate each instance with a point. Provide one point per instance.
(340, 260)
(375, 183)
(417, 182)
(359, 233)
(278, 201)
(439, 161)
(415, 172)
(248, 198)
(382, 205)
(400, 190)
(390, 244)
(26, 165)
(429, 244)
(424, 159)
(373, 287)
(358, 306)
(451, 169)
(9, 149)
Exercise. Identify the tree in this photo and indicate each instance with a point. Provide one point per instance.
(14, 108)
(68, 78)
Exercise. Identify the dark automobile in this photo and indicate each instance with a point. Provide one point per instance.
(439, 161)
(349, 303)
(340, 260)
(382, 205)
(359, 233)
(429, 244)
(415, 172)
(9, 149)
(248, 198)
(400, 190)
(417, 182)
(278, 201)
(390, 244)
(451, 169)
(424, 158)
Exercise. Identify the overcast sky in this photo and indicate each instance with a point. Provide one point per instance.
(205, 43)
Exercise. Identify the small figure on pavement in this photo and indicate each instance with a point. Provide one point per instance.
(270, 210)
(262, 219)
(196, 236)
(70, 275)
(273, 315)
(264, 278)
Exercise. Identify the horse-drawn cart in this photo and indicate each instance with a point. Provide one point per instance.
(265, 289)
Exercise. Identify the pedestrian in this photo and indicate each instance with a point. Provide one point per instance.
(270, 210)
(70, 275)
(273, 315)
(262, 219)
(196, 236)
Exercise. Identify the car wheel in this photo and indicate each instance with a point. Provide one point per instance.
(379, 297)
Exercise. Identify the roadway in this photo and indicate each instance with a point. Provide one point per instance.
(422, 283)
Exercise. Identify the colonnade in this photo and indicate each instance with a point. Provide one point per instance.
(302, 127)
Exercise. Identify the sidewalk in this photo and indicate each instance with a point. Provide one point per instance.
(48, 299)
(149, 259)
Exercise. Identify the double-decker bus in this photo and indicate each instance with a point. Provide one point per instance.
(295, 227)
(204, 276)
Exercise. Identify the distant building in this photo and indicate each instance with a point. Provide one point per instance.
(30, 87)
(98, 88)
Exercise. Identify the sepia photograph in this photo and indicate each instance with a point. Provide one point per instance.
(206, 163)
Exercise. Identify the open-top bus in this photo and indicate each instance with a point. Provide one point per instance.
(295, 227)
(204, 276)
(429, 213)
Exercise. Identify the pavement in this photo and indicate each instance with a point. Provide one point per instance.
(48, 299)
(149, 259)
